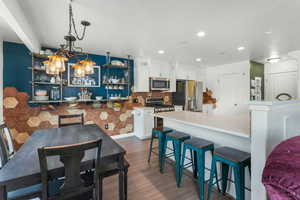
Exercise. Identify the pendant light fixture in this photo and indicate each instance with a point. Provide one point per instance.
(79, 71)
(56, 63)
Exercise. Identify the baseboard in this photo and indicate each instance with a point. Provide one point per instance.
(122, 136)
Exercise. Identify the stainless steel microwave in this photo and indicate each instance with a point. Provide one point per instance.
(160, 84)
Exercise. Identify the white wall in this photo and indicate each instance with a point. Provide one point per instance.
(1, 79)
(233, 98)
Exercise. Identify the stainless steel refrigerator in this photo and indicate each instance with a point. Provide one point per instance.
(189, 94)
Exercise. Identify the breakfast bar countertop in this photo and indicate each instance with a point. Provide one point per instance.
(238, 125)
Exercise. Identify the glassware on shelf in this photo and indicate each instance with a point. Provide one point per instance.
(54, 94)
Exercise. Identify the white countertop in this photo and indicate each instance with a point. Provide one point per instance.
(238, 125)
(143, 108)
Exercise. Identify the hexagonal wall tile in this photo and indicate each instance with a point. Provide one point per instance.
(123, 117)
(129, 127)
(53, 120)
(13, 132)
(111, 126)
(44, 116)
(10, 102)
(129, 113)
(103, 115)
(33, 121)
(123, 131)
(76, 111)
(22, 137)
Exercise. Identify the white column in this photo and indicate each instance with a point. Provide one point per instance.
(271, 123)
(1, 79)
(259, 134)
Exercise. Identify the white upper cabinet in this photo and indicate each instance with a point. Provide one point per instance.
(159, 69)
(141, 75)
(146, 68)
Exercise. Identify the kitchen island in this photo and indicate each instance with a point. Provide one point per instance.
(223, 130)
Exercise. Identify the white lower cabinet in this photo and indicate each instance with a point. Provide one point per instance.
(143, 122)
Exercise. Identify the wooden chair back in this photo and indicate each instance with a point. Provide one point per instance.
(8, 139)
(69, 118)
(4, 154)
(71, 157)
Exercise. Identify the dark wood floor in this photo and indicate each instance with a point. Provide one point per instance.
(145, 181)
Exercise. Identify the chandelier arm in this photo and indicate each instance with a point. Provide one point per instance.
(72, 22)
(70, 18)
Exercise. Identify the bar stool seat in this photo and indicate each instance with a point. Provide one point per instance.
(198, 148)
(159, 134)
(166, 130)
(198, 143)
(178, 135)
(238, 160)
(177, 138)
(233, 155)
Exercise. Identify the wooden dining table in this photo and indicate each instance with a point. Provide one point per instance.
(23, 169)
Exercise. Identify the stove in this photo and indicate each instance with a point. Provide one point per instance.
(158, 104)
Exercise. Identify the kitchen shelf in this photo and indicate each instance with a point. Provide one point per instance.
(110, 66)
(44, 83)
(40, 56)
(48, 101)
(36, 69)
(115, 83)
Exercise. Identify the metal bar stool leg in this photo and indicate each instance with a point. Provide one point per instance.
(239, 177)
(177, 148)
(224, 171)
(151, 146)
(195, 164)
(201, 172)
(182, 164)
(211, 178)
(162, 150)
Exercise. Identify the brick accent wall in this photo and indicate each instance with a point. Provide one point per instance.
(23, 120)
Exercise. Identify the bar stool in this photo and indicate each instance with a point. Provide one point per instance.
(177, 138)
(198, 147)
(238, 160)
(159, 134)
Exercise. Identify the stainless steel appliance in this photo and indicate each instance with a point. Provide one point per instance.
(158, 104)
(159, 84)
(189, 94)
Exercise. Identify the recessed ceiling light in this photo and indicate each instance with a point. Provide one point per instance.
(198, 59)
(268, 32)
(241, 48)
(273, 60)
(201, 34)
(160, 51)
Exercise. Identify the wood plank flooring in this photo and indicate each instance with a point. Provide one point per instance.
(145, 182)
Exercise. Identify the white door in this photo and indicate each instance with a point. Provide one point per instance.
(281, 83)
(234, 90)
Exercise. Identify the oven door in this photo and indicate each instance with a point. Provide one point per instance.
(159, 84)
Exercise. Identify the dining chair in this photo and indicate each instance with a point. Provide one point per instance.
(4, 154)
(20, 194)
(76, 119)
(8, 139)
(71, 157)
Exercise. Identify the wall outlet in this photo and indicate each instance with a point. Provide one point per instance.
(135, 100)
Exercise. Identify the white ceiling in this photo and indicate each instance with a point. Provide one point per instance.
(142, 27)
(7, 33)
